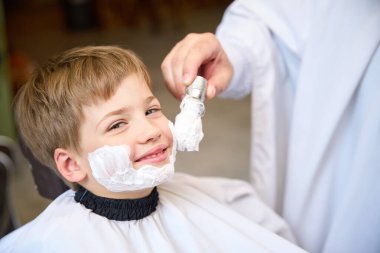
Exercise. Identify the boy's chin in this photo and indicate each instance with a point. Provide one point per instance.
(158, 165)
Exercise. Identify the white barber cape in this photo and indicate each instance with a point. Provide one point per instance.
(193, 215)
(313, 68)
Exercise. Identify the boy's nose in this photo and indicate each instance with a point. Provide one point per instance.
(148, 132)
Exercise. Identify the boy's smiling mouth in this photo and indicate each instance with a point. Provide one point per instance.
(155, 155)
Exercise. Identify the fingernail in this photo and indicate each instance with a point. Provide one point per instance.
(186, 78)
(211, 92)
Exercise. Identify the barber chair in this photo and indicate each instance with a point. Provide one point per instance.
(49, 185)
(8, 221)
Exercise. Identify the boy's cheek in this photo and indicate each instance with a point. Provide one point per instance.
(84, 164)
(166, 129)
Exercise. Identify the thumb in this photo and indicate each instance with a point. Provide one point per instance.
(218, 83)
(210, 92)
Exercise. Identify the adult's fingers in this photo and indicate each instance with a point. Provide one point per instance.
(172, 66)
(208, 59)
(202, 52)
(218, 72)
(184, 61)
(219, 81)
(168, 73)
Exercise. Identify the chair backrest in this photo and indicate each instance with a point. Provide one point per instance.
(8, 221)
(49, 185)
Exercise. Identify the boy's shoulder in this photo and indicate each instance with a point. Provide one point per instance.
(38, 231)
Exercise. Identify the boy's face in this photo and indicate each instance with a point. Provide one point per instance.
(132, 116)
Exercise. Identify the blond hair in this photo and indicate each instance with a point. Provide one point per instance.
(48, 108)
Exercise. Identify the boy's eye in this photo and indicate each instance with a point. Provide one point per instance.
(153, 110)
(116, 126)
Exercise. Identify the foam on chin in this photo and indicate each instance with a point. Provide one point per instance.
(112, 168)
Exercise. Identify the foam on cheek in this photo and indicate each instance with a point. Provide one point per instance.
(110, 160)
(111, 167)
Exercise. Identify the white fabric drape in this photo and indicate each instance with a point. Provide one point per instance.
(193, 215)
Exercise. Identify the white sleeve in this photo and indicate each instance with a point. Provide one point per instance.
(247, 33)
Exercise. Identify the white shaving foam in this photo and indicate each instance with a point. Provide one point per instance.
(188, 124)
(112, 168)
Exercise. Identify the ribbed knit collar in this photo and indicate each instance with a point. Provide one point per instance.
(118, 209)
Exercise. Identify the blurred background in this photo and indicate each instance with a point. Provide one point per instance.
(33, 30)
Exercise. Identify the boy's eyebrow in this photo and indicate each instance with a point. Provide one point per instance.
(115, 112)
(149, 99)
(123, 110)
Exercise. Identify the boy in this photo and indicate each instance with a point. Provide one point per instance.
(91, 114)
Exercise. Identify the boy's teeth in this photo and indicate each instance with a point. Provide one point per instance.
(151, 156)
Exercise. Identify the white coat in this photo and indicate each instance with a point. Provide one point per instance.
(313, 68)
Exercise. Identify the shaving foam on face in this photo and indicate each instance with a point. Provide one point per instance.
(188, 123)
(112, 168)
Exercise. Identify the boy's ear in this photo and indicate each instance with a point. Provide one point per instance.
(68, 166)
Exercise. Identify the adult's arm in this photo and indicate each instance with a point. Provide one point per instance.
(256, 35)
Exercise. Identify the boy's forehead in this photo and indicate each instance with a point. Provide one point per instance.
(131, 93)
(98, 95)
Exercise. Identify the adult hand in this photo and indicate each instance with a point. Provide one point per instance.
(197, 54)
